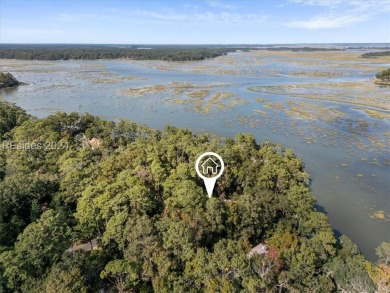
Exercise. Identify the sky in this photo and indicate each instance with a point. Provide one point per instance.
(194, 22)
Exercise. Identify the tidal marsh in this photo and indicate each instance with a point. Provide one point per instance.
(324, 105)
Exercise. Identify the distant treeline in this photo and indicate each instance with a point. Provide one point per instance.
(301, 49)
(375, 54)
(66, 52)
(144, 52)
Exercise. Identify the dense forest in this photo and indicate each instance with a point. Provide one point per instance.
(89, 52)
(132, 194)
(147, 52)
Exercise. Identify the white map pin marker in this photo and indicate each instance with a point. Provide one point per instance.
(210, 167)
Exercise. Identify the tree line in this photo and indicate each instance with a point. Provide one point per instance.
(91, 52)
(384, 75)
(302, 49)
(370, 55)
(138, 195)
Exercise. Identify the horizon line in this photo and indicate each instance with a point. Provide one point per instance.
(197, 44)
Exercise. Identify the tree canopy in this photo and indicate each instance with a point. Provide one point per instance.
(138, 196)
(90, 52)
(384, 75)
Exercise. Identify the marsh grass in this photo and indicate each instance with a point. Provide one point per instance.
(312, 111)
(356, 93)
(260, 100)
(175, 87)
(374, 113)
(380, 215)
(118, 79)
(199, 93)
(381, 82)
(316, 73)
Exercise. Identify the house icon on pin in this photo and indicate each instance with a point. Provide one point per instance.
(210, 167)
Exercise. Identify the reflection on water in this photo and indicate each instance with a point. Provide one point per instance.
(8, 92)
(342, 141)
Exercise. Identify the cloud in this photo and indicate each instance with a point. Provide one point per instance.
(207, 16)
(33, 32)
(229, 17)
(374, 4)
(65, 17)
(218, 4)
(327, 22)
(163, 16)
(167, 16)
(317, 2)
(340, 13)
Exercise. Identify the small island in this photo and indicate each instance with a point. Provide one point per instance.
(8, 80)
(383, 77)
(374, 55)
